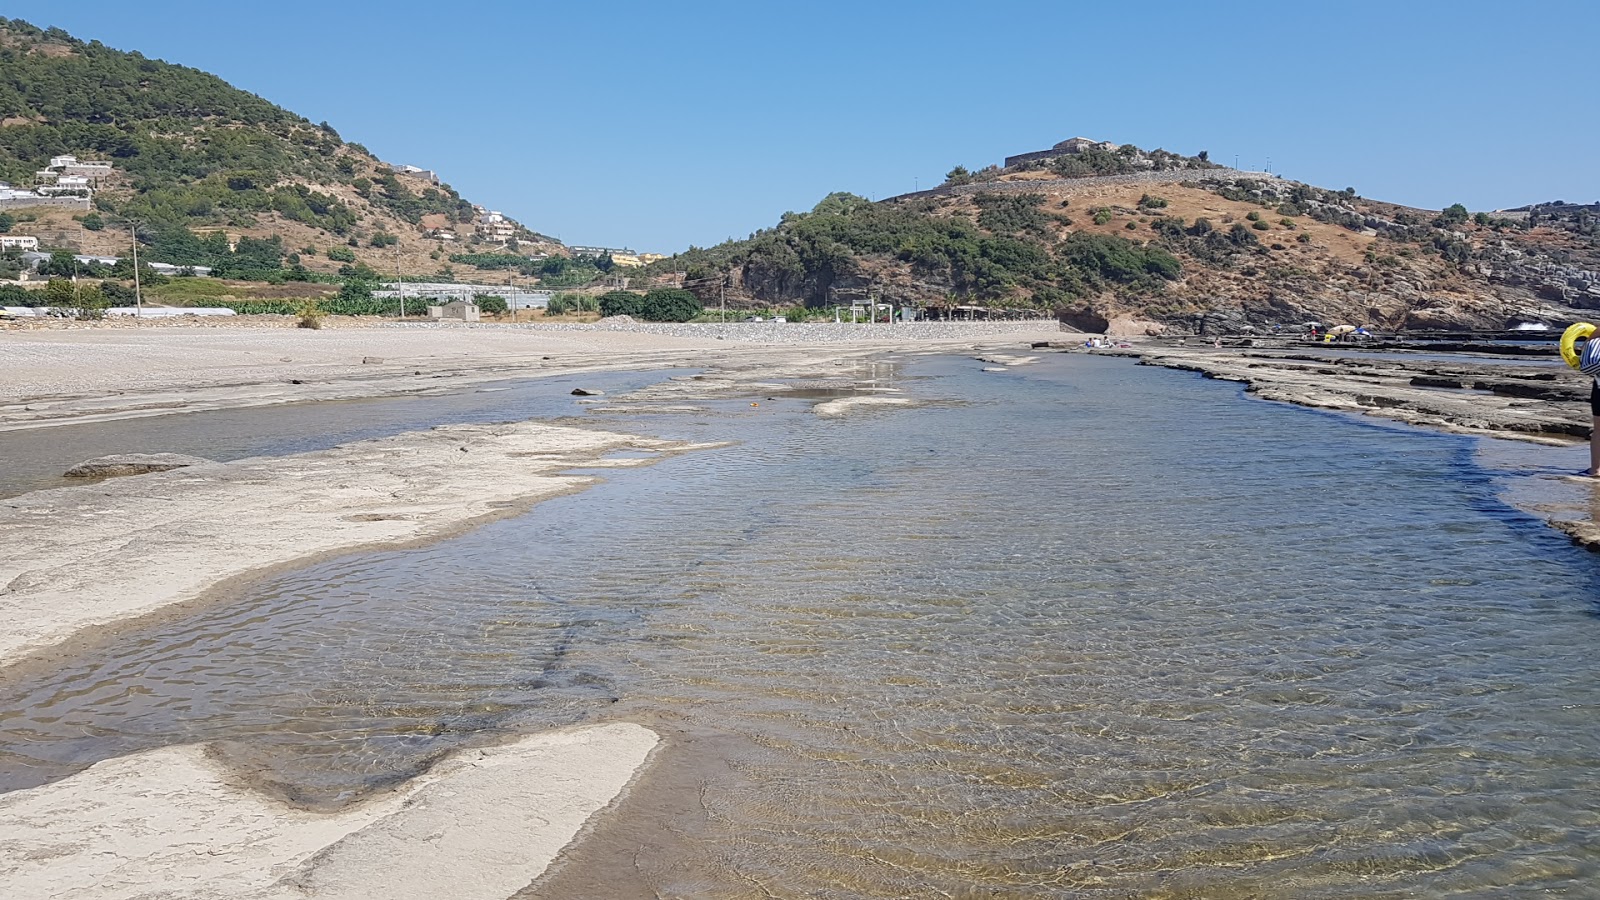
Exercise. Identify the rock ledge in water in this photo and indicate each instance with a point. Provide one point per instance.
(131, 464)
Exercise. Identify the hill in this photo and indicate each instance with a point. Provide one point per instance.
(189, 152)
(1114, 236)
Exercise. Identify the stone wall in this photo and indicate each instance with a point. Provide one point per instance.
(56, 202)
(1021, 158)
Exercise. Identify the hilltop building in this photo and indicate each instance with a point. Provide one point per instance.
(1070, 146)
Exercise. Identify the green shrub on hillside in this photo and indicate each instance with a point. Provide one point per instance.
(1092, 162)
(958, 176)
(1119, 260)
(1012, 214)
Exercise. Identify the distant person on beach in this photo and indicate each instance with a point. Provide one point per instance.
(1589, 364)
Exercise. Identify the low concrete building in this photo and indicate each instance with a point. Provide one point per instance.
(23, 242)
(458, 310)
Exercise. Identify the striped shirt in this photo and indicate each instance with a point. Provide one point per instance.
(1589, 361)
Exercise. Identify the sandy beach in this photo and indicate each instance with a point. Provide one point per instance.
(173, 822)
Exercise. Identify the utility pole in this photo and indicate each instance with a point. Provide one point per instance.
(400, 277)
(723, 291)
(138, 302)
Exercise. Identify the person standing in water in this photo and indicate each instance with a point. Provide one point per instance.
(1589, 364)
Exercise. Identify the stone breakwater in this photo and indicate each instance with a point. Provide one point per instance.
(1176, 176)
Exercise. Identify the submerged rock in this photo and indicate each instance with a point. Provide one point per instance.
(132, 464)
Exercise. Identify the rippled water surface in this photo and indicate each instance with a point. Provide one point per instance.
(1077, 629)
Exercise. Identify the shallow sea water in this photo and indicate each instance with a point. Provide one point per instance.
(1081, 628)
(35, 458)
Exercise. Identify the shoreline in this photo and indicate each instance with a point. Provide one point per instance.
(387, 493)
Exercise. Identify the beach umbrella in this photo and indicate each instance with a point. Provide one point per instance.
(1341, 329)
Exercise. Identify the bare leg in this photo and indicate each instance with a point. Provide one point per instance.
(1594, 449)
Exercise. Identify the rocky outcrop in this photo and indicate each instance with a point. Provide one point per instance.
(132, 464)
(1085, 319)
(1526, 402)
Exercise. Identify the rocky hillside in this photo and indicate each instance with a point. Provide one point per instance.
(191, 152)
(1121, 238)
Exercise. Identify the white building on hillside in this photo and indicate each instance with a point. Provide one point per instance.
(418, 172)
(492, 226)
(67, 184)
(68, 174)
(23, 242)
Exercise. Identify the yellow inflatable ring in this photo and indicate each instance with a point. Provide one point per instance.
(1569, 339)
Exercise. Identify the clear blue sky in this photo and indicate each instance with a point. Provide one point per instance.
(657, 125)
